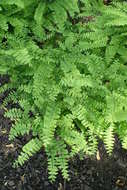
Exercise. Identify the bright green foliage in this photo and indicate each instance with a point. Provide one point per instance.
(28, 150)
(68, 73)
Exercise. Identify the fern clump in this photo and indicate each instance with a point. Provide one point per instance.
(67, 66)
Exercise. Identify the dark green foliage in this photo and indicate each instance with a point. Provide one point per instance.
(68, 73)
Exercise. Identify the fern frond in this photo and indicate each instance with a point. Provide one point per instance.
(18, 3)
(14, 114)
(57, 159)
(124, 142)
(50, 123)
(22, 56)
(109, 138)
(39, 13)
(18, 129)
(32, 147)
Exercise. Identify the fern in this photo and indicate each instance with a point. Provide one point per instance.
(57, 159)
(18, 129)
(68, 74)
(109, 138)
(50, 123)
(32, 147)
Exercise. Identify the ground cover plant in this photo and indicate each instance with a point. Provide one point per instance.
(68, 74)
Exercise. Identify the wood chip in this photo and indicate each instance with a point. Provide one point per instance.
(120, 181)
(60, 187)
(10, 146)
(22, 178)
(4, 131)
(98, 155)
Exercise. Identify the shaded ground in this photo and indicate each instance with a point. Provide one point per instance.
(99, 173)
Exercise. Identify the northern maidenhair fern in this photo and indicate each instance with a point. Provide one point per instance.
(68, 74)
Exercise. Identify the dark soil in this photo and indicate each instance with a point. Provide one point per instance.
(99, 173)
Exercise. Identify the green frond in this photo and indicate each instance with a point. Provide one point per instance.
(18, 3)
(57, 159)
(39, 13)
(29, 149)
(20, 128)
(124, 142)
(109, 138)
(5, 87)
(21, 55)
(14, 114)
(50, 123)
